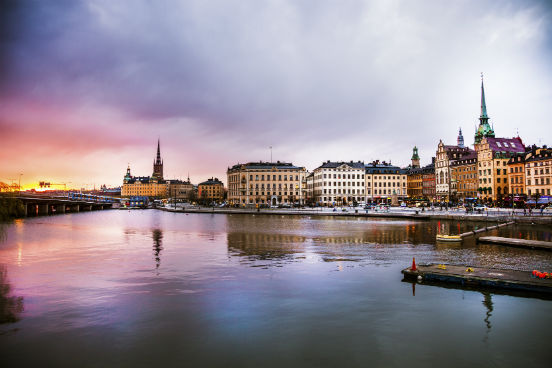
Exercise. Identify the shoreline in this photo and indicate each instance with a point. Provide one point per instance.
(541, 220)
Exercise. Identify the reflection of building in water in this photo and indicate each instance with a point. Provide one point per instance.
(10, 306)
(265, 245)
(488, 302)
(157, 236)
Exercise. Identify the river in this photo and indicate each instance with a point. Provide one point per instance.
(148, 288)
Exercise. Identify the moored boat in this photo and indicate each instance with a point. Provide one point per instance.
(448, 238)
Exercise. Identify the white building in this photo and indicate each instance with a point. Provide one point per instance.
(443, 158)
(339, 183)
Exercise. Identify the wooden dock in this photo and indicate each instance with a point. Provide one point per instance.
(519, 243)
(484, 229)
(477, 277)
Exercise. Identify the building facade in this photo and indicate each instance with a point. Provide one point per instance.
(516, 174)
(339, 183)
(180, 189)
(493, 155)
(446, 154)
(309, 193)
(414, 183)
(384, 180)
(211, 190)
(143, 186)
(464, 181)
(266, 183)
(538, 169)
(428, 181)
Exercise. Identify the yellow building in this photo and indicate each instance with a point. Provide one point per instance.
(383, 181)
(155, 186)
(414, 183)
(211, 190)
(266, 184)
(538, 171)
(493, 155)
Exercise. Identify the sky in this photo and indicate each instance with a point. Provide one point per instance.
(88, 87)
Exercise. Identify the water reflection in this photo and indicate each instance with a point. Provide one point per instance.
(157, 236)
(264, 246)
(488, 303)
(10, 306)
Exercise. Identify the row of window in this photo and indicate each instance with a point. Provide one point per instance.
(338, 184)
(339, 199)
(536, 171)
(285, 186)
(262, 177)
(349, 191)
(273, 193)
(542, 181)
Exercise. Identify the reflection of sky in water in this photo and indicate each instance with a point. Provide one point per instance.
(256, 290)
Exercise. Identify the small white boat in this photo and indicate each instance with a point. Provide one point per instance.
(448, 238)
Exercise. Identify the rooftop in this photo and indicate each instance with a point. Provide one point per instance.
(512, 145)
(211, 181)
(336, 164)
(265, 166)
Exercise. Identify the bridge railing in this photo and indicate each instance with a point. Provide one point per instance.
(77, 196)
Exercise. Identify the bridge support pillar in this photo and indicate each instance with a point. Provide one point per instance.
(60, 208)
(42, 209)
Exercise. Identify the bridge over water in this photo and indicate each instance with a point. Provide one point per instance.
(41, 205)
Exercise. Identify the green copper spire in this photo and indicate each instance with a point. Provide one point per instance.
(484, 129)
(483, 104)
(415, 155)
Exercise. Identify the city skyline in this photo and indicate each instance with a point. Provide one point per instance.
(220, 84)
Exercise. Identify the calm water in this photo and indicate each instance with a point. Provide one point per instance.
(149, 288)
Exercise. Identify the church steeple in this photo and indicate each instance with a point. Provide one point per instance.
(128, 176)
(483, 117)
(484, 129)
(158, 159)
(415, 157)
(460, 140)
(158, 164)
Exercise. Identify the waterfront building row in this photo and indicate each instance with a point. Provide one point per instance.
(495, 169)
(332, 183)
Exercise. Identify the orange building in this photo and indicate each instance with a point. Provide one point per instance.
(464, 182)
(211, 190)
(516, 174)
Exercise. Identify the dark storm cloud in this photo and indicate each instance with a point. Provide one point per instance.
(360, 78)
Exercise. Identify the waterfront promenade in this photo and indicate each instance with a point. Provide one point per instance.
(494, 214)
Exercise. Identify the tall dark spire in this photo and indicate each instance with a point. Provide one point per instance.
(158, 164)
(158, 159)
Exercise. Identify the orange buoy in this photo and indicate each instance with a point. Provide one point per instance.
(413, 268)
